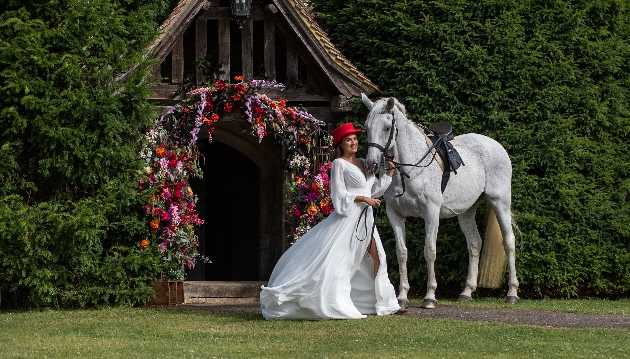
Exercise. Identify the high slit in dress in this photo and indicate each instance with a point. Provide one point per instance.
(327, 273)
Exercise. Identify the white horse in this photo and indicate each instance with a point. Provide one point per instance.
(486, 172)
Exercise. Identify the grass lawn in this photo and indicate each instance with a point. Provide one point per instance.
(150, 333)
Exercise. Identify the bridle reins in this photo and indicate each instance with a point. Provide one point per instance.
(397, 165)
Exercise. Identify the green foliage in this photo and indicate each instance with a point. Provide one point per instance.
(550, 81)
(69, 142)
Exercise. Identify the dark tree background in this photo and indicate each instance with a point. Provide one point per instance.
(70, 214)
(550, 81)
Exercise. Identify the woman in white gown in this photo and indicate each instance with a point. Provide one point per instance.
(337, 270)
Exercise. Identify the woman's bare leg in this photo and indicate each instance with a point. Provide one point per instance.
(374, 254)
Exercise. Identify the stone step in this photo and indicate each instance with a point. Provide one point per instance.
(217, 292)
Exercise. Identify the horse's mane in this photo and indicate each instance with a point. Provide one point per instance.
(380, 106)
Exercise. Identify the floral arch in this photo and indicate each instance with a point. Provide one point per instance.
(171, 158)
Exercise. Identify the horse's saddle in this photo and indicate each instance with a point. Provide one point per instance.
(441, 134)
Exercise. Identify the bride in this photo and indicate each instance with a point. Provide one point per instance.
(337, 270)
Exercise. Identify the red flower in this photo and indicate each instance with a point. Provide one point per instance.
(220, 84)
(186, 110)
(209, 106)
(214, 117)
(327, 210)
(178, 194)
(172, 163)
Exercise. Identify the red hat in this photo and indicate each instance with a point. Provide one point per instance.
(342, 131)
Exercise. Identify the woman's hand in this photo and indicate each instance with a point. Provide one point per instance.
(390, 167)
(372, 202)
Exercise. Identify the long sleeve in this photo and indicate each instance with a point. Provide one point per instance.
(380, 185)
(341, 198)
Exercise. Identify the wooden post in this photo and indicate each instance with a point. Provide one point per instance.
(177, 69)
(224, 48)
(270, 50)
(201, 44)
(292, 63)
(247, 52)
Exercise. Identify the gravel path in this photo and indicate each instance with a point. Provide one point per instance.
(473, 314)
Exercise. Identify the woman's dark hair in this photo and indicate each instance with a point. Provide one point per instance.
(338, 151)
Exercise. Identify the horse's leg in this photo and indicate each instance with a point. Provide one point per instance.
(431, 224)
(473, 241)
(398, 225)
(504, 217)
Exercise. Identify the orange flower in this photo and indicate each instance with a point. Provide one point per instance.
(312, 210)
(324, 202)
(159, 151)
(237, 97)
(189, 190)
(215, 117)
(155, 164)
(144, 243)
(155, 223)
(238, 78)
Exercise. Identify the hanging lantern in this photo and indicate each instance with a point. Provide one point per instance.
(240, 10)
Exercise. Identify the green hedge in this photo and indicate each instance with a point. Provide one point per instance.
(550, 81)
(70, 214)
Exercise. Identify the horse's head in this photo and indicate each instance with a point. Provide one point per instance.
(380, 126)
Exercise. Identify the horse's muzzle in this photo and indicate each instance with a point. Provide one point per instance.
(371, 167)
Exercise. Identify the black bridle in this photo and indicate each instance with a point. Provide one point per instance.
(397, 165)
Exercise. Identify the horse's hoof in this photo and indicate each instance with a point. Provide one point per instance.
(428, 304)
(511, 299)
(403, 303)
(401, 311)
(464, 299)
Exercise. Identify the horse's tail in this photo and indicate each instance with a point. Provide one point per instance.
(493, 258)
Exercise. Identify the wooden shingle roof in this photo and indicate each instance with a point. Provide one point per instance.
(345, 77)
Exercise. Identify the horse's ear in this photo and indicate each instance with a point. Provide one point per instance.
(366, 101)
(390, 104)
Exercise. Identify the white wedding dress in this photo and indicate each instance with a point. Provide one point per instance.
(327, 274)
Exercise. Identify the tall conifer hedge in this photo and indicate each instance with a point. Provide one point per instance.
(550, 80)
(70, 214)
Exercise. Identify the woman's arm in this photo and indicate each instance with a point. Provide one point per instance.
(343, 201)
